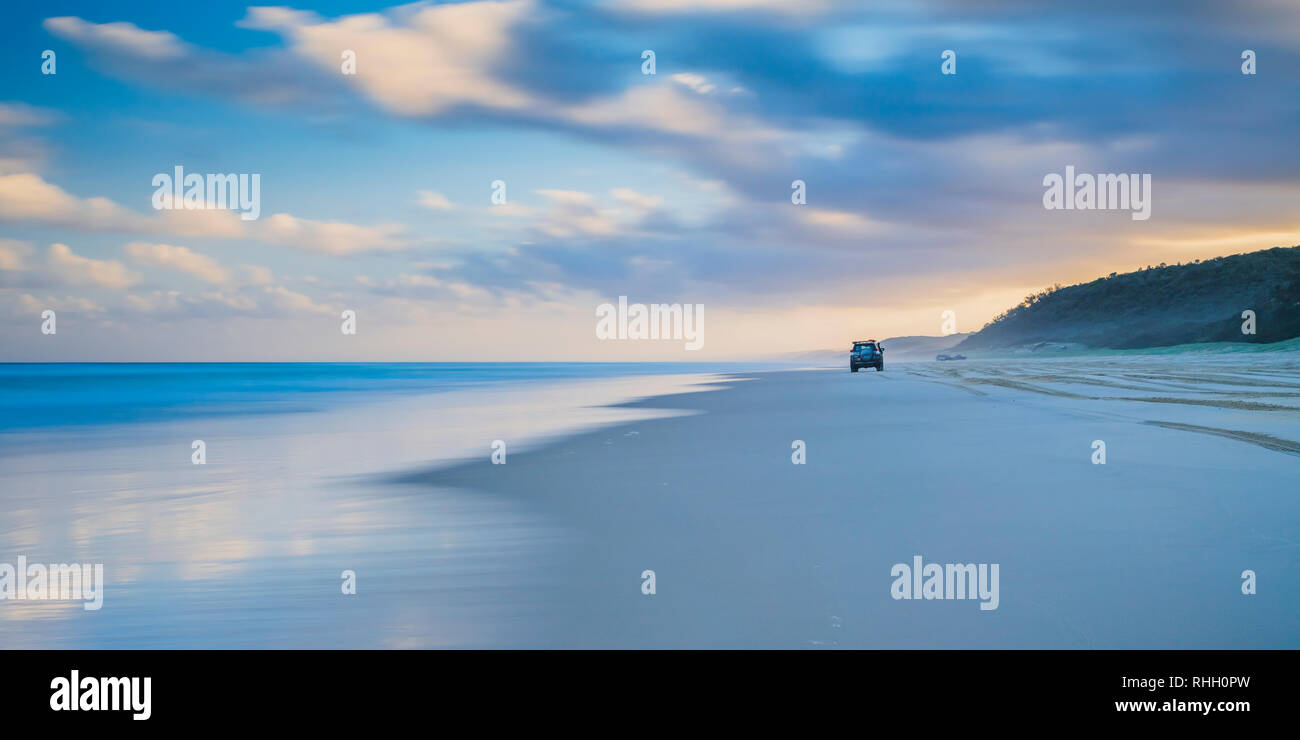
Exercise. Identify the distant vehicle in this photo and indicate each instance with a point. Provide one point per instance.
(943, 358)
(867, 353)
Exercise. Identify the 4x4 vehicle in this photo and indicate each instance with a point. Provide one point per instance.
(868, 353)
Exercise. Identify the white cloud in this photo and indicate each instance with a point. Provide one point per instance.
(118, 37)
(435, 201)
(698, 83)
(287, 301)
(264, 301)
(425, 58)
(433, 59)
(839, 221)
(180, 259)
(14, 254)
(256, 275)
(16, 115)
(567, 197)
(634, 199)
(575, 213)
(667, 7)
(26, 197)
(658, 108)
(236, 301)
(158, 301)
(70, 304)
(330, 237)
(197, 222)
(73, 269)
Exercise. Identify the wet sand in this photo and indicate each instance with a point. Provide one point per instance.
(956, 463)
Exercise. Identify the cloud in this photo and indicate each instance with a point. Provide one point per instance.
(435, 201)
(667, 110)
(673, 7)
(521, 62)
(567, 197)
(72, 269)
(636, 200)
(26, 197)
(289, 302)
(574, 213)
(180, 259)
(256, 275)
(172, 304)
(261, 301)
(17, 115)
(118, 38)
(840, 221)
(156, 302)
(910, 172)
(333, 238)
(455, 60)
(14, 254)
(424, 288)
(161, 58)
(30, 304)
(698, 83)
(19, 151)
(417, 60)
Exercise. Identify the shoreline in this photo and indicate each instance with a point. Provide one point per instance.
(282, 504)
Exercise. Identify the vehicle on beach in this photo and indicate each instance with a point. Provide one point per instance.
(867, 353)
(944, 358)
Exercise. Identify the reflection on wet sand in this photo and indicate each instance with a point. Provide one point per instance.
(247, 550)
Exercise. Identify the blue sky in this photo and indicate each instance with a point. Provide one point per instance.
(924, 189)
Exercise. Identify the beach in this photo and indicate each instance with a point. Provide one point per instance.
(692, 476)
(981, 463)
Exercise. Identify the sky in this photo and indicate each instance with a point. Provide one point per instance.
(923, 190)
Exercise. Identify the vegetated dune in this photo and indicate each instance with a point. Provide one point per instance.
(1201, 301)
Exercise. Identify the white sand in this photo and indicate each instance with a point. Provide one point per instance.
(954, 462)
